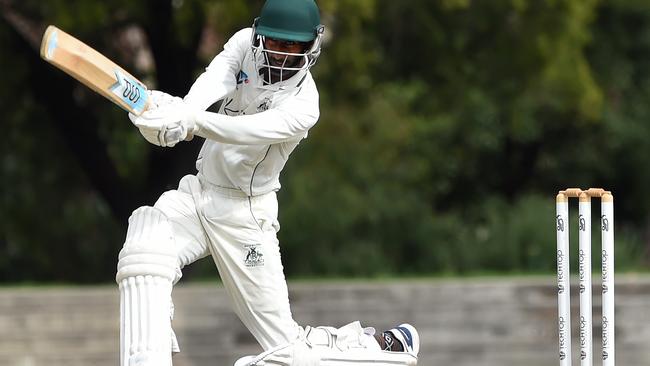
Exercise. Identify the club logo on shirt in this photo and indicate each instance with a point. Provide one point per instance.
(254, 256)
(266, 103)
(242, 77)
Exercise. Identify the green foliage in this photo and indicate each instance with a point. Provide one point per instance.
(446, 129)
(449, 160)
(53, 225)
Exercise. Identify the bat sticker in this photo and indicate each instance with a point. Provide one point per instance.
(130, 91)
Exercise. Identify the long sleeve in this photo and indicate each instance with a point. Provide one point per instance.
(219, 78)
(290, 121)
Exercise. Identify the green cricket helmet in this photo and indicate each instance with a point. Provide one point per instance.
(289, 21)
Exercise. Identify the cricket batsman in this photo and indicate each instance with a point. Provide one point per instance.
(228, 210)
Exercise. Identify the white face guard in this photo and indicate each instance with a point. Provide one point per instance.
(273, 68)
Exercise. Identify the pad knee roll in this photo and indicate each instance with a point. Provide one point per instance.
(149, 247)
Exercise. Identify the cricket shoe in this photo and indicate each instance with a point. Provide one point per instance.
(403, 338)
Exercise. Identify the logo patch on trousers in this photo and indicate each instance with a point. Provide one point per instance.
(254, 256)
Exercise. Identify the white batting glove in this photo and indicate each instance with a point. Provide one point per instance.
(159, 98)
(167, 124)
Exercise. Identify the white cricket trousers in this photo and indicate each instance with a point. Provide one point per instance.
(240, 233)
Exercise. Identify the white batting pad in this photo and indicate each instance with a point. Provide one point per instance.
(147, 268)
(350, 345)
(149, 247)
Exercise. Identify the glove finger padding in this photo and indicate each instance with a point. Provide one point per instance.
(161, 99)
(169, 136)
(150, 135)
(155, 118)
(161, 126)
(173, 134)
(166, 125)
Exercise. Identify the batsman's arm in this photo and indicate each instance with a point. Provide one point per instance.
(94, 70)
(220, 78)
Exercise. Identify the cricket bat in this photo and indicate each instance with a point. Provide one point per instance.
(94, 70)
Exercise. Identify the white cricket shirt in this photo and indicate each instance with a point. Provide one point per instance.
(249, 141)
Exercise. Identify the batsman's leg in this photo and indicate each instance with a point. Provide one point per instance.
(147, 268)
(160, 242)
(246, 250)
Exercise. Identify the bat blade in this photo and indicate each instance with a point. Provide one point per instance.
(94, 70)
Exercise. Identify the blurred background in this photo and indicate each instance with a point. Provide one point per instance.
(447, 127)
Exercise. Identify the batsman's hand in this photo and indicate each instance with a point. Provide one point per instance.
(159, 99)
(167, 124)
